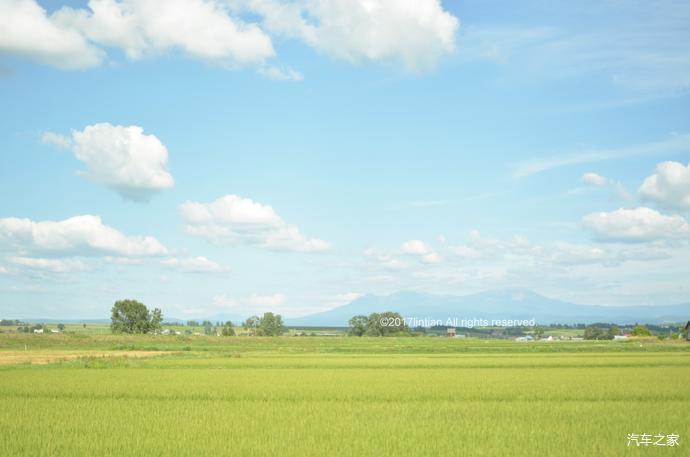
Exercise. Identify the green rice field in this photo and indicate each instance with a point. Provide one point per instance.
(292, 396)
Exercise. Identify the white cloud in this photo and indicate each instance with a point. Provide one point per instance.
(387, 260)
(27, 31)
(674, 144)
(519, 250)
(635, 225)
(267, 300)
(3, 270)
(415, 32)
(596, 180)
(669, 186)
(416, 247)
(197, 264)
(53, 265)
(199, 28)
(230, 33)
(79, 235)
(254, 304)
(420, 249)
(55, 139)
(341, 299)
(235, 220)
(280, 74)
(629, 57)
(122, 158)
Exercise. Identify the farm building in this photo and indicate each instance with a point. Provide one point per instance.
(38, 330)
(451, 332)
(687, 331)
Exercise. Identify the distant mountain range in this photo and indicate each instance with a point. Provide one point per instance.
(498, 304)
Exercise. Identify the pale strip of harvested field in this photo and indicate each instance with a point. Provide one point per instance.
(44, 357)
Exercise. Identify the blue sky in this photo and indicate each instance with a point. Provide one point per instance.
(244, 156)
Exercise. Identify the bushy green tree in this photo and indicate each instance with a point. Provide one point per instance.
(131, 316)
(613, 331)
(594, 333)
(271, 325)
(61, 327)
(358, 325)
(379, 324)
(640, 330)
(252, 324)
(228, 329)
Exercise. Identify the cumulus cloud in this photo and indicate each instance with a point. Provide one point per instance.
(77, 236)
(231, 33)
(669, 186)
(199, 28)
(635, 225)
(415, 32)
(596, 180)
(123, 158)
(420, 249)
(235, 220)
(199, 264)
(27, 31)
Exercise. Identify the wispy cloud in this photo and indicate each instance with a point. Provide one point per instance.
(676, 143)
(629, 57)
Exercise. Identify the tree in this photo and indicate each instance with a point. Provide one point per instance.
(379, 324)
(358, 325)
(208, 328)
(594, 333)
(156, 319)
(538, 332)
(640, 330)
(613, 331)
(61, 327)
(228, 329)
(270, 325)
(131, 316)
(192, 324)
(252, 324)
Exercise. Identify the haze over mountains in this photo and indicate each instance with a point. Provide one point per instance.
(497, 304)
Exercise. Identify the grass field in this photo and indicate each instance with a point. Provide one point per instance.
(340, 396)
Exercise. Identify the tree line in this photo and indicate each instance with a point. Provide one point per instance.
(132, 316)
(388, 323)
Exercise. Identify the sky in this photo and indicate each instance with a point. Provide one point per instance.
(233, 157)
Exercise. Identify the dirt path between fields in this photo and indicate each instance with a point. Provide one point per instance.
(38, 357)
